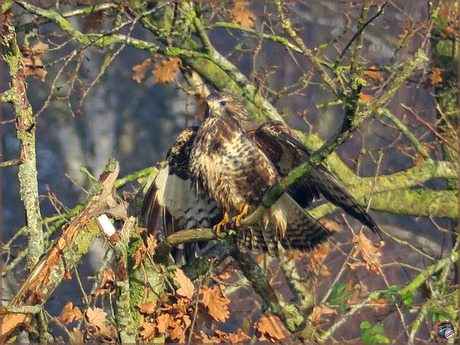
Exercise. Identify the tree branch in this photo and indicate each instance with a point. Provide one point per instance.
(64, 255)
(25, 132)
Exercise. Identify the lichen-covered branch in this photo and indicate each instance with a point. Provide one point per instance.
(64, 254)
(123, 316)
(25, 132)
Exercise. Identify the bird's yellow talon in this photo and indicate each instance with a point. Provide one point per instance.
(237, 219)
(225, 220)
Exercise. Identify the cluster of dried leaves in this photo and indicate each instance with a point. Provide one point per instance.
(164, 70)
(187, 315)
(98, 326)
(369, 252)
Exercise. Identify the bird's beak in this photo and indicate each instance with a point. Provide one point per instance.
(211, 105)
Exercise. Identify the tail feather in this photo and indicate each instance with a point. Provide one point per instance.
(288, 223)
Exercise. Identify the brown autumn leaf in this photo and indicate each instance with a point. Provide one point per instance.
(203, 338)
(435, 77)
(407, 31)
(318, 311)
(139, 255)
(148, 331)
(369, 252)
(178, 331)
(186, 289)
(148, 308)
(107, 278)
(372, 73)
(33, 60)
(96, 317)
(163, 321)
(70, 313)
(141, 69)
(317, 256)
(151, 244)
(271, 328)
(419, 159)
(240, 14)
(238, 337)
(166, 70)
(379, 304)
(359, 290)
(216, 302)
(221, 335)
(365, 97)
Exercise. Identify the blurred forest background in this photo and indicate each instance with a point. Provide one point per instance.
(125, 78)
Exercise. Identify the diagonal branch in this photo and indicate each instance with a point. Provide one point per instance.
(63, 255)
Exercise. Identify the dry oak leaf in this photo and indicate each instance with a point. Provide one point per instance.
(365, 97)
(186, 287)
(139, 255)
(216, 302)
(374, 74)
(178, 330)
(318, 311)
(96, 317)
(147, 308)
(235, 338)
(238, 337)
(369, 251)
(271, 328)
(163, 321)
(242, 15)
(435, 78)
(317, 256)
(70, 313)
(203, 338)
(33, 61)
(151, 244)
(148, 331)
(166, 70)
(141, 69)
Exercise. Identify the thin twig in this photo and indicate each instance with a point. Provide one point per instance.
(431, 128)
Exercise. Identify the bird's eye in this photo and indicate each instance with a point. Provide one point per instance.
(223, 103)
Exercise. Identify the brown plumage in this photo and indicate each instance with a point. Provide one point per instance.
(229, 163)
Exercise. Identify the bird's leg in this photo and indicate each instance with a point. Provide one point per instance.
(244, 211)
(225, 220)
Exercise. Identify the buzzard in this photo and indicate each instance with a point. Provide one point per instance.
(217, 173)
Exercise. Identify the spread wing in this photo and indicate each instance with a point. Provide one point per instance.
(286, 152)
(172, 194)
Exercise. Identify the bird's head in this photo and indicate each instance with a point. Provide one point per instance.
(220, 104)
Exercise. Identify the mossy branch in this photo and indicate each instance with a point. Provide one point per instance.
(64, 254)
(25, 132)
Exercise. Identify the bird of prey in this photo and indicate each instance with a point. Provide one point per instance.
(218, 173)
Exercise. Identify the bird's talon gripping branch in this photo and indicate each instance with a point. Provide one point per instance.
(225, 220)
(244, 212)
